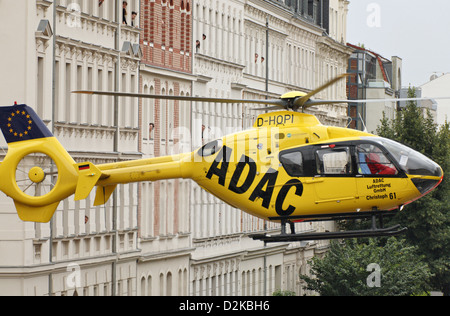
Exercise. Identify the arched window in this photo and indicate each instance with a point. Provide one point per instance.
(149, 286)
(170, 116)
(143, 286)
(188, 27)
(161, 284)
(152, 22)
(147, 21)
(183, 27)
(163, 115)
(164, 23)
(169, 284)
(171, 24)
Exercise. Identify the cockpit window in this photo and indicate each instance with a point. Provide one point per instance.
(411, 161)
(293, 163)
(372, 161)
(334, 161)
(211, 148)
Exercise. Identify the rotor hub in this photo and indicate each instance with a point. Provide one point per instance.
(36, 174)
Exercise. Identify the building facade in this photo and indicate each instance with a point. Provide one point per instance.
(62, 46)
(166, 69)
(169, 237)
(372, 77)
(427, 106)
(255, 49)
(437, 87)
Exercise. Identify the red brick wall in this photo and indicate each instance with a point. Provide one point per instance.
(166, 43)
(166, 34)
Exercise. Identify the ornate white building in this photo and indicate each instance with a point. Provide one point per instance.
(302, 45)
(171, 237)
(74, 45)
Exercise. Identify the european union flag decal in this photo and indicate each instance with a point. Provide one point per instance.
(20, 122)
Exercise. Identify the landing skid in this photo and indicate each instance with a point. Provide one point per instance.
(292, 237)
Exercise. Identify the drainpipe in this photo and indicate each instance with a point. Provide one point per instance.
(267, 96)
(116, 144)
(50, 251)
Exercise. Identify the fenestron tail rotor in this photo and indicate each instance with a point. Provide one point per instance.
(36, 174)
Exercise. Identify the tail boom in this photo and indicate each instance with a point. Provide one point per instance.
(28, 136)
(107, 176)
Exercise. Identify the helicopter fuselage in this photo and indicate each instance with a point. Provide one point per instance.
(290, 165)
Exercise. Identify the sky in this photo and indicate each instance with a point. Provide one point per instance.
(415, 30)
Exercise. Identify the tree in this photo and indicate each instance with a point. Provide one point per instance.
(352, 268)
(428, 219)
(412, 261)
(283, 293)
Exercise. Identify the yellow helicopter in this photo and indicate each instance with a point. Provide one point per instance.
(287, 168)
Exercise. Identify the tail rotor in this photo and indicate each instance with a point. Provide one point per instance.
(36, 175)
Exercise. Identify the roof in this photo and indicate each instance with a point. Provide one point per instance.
(379, 58)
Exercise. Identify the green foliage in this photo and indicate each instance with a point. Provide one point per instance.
(420, 261)
(344, 270)
(428, 219)
(410, 127)
(283, 293)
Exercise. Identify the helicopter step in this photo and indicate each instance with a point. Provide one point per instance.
(374, 231)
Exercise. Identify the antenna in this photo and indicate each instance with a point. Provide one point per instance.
(362, 121)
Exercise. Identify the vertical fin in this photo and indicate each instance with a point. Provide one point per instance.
(103, 194)
(88, 175)
(20, 122)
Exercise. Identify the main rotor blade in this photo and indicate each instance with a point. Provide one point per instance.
(310, 103)
(270, 108)
(300, 102)
(278, 102)
(397, 100)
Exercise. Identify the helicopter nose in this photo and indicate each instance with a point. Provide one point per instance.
(425, 173)
(424, 185)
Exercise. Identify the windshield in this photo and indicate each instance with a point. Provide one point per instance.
(211, 148)
(411, 161)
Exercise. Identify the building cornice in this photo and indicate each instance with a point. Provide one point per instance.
(326, 40)
(203, 57)
(165, 72)
(169, 254)
(277, 11)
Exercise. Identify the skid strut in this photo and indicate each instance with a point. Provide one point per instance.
(293, 236)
